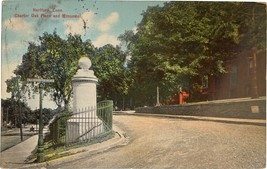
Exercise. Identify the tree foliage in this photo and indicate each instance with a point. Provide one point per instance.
(15, 87)
(11, 108)
(179, 43)
(108, 64)
(54, 58)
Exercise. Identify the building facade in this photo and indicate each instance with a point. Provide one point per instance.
(237, 82)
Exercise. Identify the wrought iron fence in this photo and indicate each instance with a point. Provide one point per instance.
(104, 112)
(83, 126)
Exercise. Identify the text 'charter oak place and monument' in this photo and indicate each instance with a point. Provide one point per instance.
(47, 13)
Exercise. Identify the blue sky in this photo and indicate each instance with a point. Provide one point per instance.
(105, 21)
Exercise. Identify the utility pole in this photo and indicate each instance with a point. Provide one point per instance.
(7, 115)
(20, 122)
(158, 103)
(18, 96)
(40, 149)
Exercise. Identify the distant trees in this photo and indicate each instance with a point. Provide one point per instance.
(11, 108)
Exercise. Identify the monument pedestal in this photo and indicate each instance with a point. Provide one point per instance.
(84, 123)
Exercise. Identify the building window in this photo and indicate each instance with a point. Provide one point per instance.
(205, 81)
(250, 68)
(233, 80)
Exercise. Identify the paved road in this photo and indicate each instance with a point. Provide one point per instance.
(176, 143)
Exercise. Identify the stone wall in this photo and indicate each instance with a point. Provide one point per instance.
(232, 108)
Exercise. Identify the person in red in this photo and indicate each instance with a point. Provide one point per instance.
(182, 96)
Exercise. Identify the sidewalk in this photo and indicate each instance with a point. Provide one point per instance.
(259, 122)
(15, 157)
(11, 137)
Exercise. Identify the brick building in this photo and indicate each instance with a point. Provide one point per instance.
(237, 82)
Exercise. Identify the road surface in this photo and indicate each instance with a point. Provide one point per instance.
(175, 143)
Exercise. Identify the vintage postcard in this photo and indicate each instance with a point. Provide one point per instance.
(133, 84)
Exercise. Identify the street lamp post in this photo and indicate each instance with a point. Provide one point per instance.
(40, 149)
(36, 119)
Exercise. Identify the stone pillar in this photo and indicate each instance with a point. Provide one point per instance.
(84, 86)
(84, 123)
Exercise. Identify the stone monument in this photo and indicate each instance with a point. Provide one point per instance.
(84, 86)
(84, 123)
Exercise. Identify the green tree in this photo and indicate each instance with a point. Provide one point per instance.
(48, 115)
(179, 43)
(11, 110)
(54, 58)
(108, 65)
(15, 87)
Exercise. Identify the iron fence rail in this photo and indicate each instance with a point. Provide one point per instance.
(82, 126)
(104, 112)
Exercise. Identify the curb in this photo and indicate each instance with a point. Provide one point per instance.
(199, 118)
(118, 140)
